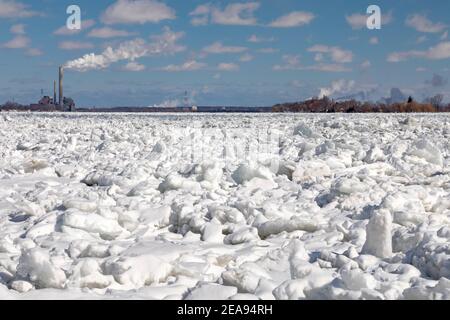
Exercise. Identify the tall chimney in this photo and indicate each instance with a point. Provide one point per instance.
(61, 93)
(54, 92)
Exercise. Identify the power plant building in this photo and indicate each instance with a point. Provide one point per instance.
(47, 103)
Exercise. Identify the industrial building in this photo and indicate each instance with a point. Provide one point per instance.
(47, 103)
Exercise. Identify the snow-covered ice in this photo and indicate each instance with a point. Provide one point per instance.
(224, 206)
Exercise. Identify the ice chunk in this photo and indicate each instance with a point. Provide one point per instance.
(358, 280)
(29, 208)
(106, 228)
(379, 234)
(295, 223)
(139, 271)
(212, 232)
(210, 291)
(35, 165)
(296, 289)
(159, 217)
(244, 296)
(81, 204)
(35, 265)
(246, 172)
(21, 286)
(426, 150)
(374, 154)
(309, 170)
(87, 274)
(211, 172)
(303, 130)
(98, 179)
(175, 182)
(439, 292)
(245, 234)
(349, 185)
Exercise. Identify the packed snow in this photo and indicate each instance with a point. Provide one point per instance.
(224, 206)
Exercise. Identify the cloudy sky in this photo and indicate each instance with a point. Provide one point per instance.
(148, 52)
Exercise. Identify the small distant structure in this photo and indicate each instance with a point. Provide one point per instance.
(186, 106)
(68, 105)
(186, 100)
(46, 100)
(61, 93)
(54, 91)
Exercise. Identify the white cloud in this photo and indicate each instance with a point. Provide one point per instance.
(133, 66)
(228, 67)
(246, 58)
(421, 23)
(219, 48)
(444, 36)
(421, 39)
(293, 19)
(403, 56)
(64, 31)
(11, 9)
(255, 39)
(238, 14)
(34, 52)
(318, 57)
(18, 29)
(374, 40)
(359, 21)
(137, 12)
(337, 87)
(130, 50)
(421, 69)
(75, 45)
(201, 15)
(268, 50)
(336, 54)
(296, 84)
(438, 52)
(366, 64)
(328, 67)
(190, 65)
(18, 42)
(291, 60)
(21, 41)
(107, 32)
(292, 63)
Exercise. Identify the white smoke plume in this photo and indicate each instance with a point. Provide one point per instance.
(177, 101)
(165, 43)
(339, 86)
(167, 104)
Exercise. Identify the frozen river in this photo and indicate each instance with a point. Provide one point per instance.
(224, 206)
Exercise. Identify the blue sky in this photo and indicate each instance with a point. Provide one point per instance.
(223, 52)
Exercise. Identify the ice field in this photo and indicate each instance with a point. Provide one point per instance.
(224, 206)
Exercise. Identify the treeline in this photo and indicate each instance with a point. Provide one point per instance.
(14, 106)
(326, 105)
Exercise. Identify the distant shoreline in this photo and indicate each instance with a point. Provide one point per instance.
(324, 105)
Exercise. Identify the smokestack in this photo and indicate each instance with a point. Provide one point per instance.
(61, 93)
(54, 92)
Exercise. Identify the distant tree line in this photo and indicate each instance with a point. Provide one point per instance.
(14, 106)
(326, 105)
